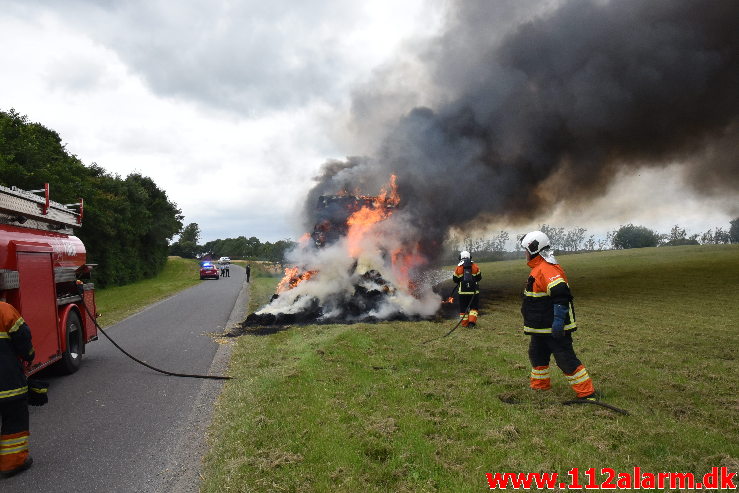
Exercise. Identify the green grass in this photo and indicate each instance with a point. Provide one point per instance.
(370, 408)
(118, 302)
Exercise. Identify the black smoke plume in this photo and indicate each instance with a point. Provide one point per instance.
(552, 110)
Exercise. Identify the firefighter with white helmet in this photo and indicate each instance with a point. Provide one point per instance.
(549, 318)
(468, 276)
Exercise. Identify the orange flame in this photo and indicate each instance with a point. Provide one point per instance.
(390, 198)
(293, 277)
(362, 221)
(405, 260)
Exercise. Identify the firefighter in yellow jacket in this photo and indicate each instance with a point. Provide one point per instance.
(15, 344)
(468, 276)
(549, 318)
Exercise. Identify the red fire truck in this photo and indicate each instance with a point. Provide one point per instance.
(41, 267)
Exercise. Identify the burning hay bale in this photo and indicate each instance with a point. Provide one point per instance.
(362, 304)
(345, 290)
(354, 267)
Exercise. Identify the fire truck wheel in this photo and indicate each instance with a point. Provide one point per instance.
(72, 356)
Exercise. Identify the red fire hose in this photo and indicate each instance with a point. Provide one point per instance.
(467, 310)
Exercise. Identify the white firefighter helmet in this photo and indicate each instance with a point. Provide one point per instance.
(538, 242)
(464, 254)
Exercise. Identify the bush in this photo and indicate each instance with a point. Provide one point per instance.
(681, 242)
(631, 236)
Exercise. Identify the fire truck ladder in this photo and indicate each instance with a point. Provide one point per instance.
(20, 206)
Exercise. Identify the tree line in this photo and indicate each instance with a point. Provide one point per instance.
(496, 246)
(187, 245)
(632, 236)
(128, 222)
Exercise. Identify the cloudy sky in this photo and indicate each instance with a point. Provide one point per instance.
(232, 107)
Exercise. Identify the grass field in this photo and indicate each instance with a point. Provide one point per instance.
(118, 302)
(371, 408)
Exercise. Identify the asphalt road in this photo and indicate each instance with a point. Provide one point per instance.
(116, 426)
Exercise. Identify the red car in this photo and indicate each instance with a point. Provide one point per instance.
(209, 270)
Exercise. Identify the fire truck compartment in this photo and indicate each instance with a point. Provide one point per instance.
(37, 300)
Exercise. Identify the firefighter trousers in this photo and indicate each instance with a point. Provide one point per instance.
(13, 433)
(468, 305)
(542, 348)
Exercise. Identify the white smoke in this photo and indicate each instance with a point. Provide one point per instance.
(347, 269)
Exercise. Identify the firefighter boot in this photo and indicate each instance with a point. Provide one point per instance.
(465, 319)
(472, 318)
(26, 465)
(14, 456)
(595, 396)
(581, 383)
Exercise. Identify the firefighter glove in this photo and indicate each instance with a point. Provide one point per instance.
(37, 392)
(558, 324)
(29, 357)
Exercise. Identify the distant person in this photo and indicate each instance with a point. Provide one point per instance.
(15, 343)
(222, 267)
(468, 276)
(228, 271)
(248, 272)
(549, 318)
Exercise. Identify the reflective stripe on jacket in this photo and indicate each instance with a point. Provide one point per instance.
(546, 286)
(15, 342)
(458, 277)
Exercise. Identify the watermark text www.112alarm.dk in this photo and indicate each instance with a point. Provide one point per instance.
(719, 478)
